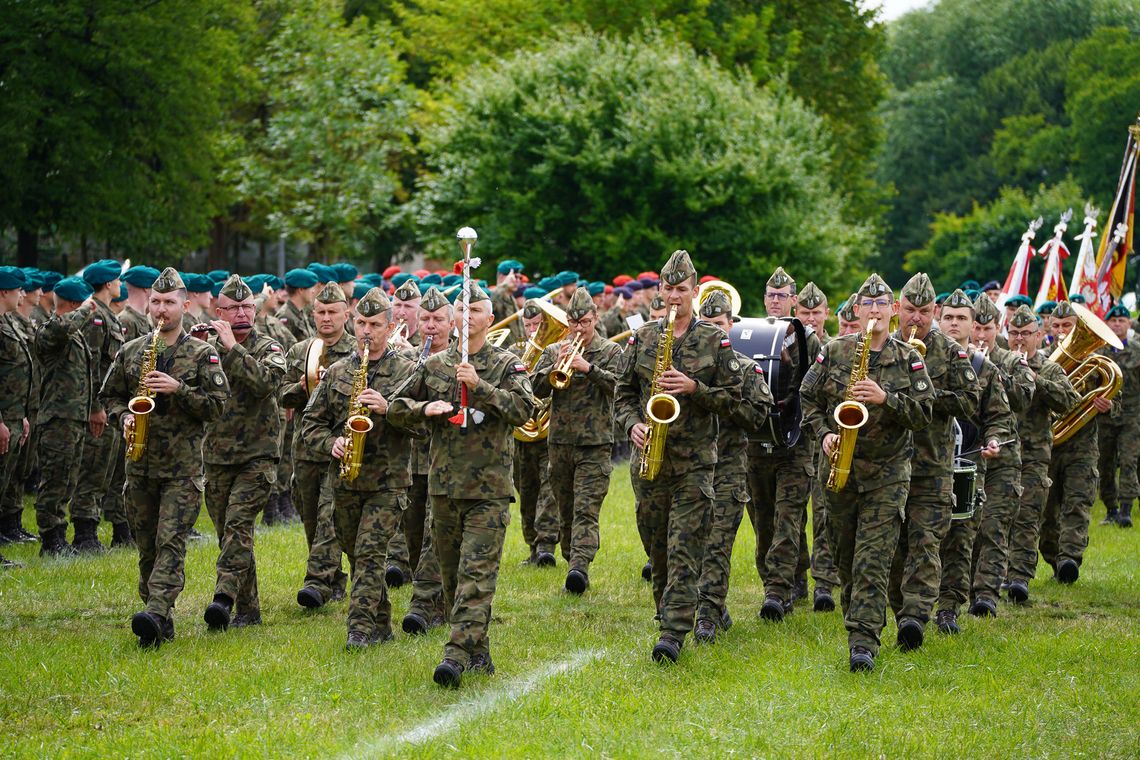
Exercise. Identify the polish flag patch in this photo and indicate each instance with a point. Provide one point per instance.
(961, 354)
(97, 322)
(819, 359)
(520, 368)
(214, 359)
(632, 340)
(725, 343)
(916, 366)
(759, 370)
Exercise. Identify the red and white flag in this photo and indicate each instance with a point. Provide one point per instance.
(1084, 274)
(1017, 281)
(1053, 281)
(1116, 245)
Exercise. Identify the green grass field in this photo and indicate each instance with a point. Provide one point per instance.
(1060, 678)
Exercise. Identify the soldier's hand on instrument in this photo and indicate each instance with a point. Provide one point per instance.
(465, 373)
(829, 441)
(98, 423)
(399, 343)
(225, 333)
(992, 449)
(1102, 405)
(338, 447)
(374, 400)
(677, 383)
(869, 392)
(579, 363)
(201, 331)
(637, 434)
(5, 438)
(127, 421)
(160, 382)
(437, 408)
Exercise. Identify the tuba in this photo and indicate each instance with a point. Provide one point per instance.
(560, 375)
(1092, 375)
(142, 404)
(358, 424)
(554, 327)
(850, 415)
(661, 409)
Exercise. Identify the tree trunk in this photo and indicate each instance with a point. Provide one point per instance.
(216, 256)
(27, 247)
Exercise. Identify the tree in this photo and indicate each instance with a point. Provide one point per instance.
(604, 155)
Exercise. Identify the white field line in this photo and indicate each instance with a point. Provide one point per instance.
(465, 711)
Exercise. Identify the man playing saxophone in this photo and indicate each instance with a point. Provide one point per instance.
(865, 517)
(672, 515)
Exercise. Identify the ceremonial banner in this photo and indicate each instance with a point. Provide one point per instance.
(1112, 258)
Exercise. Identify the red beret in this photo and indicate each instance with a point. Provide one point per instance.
(609, 289)
(387, 274)
(422, 273)
(707, 278)
(621, 279)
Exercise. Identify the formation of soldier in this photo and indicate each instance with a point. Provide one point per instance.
(261, 391)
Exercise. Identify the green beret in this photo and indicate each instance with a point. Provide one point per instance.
(168, 281)
(433, 299)
(1064, 310)
(566, 277)
(985, 310)
(508, 266)
(12, 278)
(1076, 298)
(409, 291)
(534, 292)
(331, 292)
(300, 278)
(780, 279)
(345, 272)
(102, 272)
(1014, 301)
(970, 285)
(596, 288)
(434, 279)
(452, 279)
(811, 297)
(218, 275)
(359, 290)
(141, 276)
(50, 279)
(580, 304)
(1023, 317)
(323, 273)
(875, 286)
(200, 283)
(918, 290)
(374, 302)
(958, 300)
(1046, 307)
(1119, 310)
(33, 280)
(235, 288)
(715, 304)
(972, 294)
(73, 289)
(678, 268)
(215, 288)
(400, 278)
(547, 284)
(122, 293)
(373, 279)
(256, 282)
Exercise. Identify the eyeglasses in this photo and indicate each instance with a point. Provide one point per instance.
(1022, 333)
(882, 303)
(778, 296)
(237, 307)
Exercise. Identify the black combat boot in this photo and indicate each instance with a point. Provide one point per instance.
(310, 598)
(150, 629)
(7, 563)
(1068, 571)
(53, 543)
(667, 649)
(8, 526)
(217, 615)
(1109, 516)
(269, 514)
(773, 608)
(705, 632)
(910, 634)
(861, 661)
(286, 512)
(544, 559)
(647, 572)
(448, 673)
(823, 601)
(121, 536)
(983, 607)
(394, 577)
(1125, 518)
(577, 581)
(14, 531)
(481, 663)
(947, 621)
(86, 540)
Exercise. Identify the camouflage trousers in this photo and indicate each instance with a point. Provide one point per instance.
(863, 530)
(724, 521)
(673, 518)
(11, 489)
(115, 500)
(916, 569)
(991, 545)
(1068, 508)
(95, 474)
(28, 468)
(957, 552)
(579, 482)
(1026, 527)
(365, 522)
(398, 553)
(61, 452)
(780, 487)
(405, 547)
(285, 464)
(822, 563)
(427, 582)
(235, 494)
(1119, 447)
(312, 490)
(468, 536)
(162, 511)
(539, 513)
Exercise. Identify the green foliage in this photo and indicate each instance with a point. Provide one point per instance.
(604, 155)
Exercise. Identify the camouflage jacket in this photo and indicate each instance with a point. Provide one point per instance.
(69, 381)
(476, 465)
(134, 324)
(1019, 380)
(995, 420)
(421, 442)
(295, 321)
(250, 423)
(1127, 402)
(27, 330)
(747, 417)
(293, 395)
(884, 446)
(385, 461)
(40, 315)
(705, 354)
(271, 326)
(503, 305)
(104, 337)
(583, 413)
(15, 376)
(956, 394)
(613, 321)
(1052, 393)
(178, 422)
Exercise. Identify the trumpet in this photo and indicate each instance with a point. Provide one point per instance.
(560, 375)
(915, 343)
(401, 331)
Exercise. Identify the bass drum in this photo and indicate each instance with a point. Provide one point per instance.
(779, 346)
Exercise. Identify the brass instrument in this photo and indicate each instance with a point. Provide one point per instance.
(915, 343)
(662, 409)
(358, 424)
(316, 359)
(554, 327)
(503, 323)
(1093, 376)
(401, 332)
(850, 415)
(560, 375)
(621, 336)
(711, 285)
(143, 403)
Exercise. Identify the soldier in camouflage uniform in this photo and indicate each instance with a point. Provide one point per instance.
(1003, 473)
(164, 487)
(324, 576)
(16, 379)
(104, 337)
(540, 516)
(241, 452)
(266, 323)
(917, 567)
(1119, 430)
(993, 424)
(426, 610)
(65, 408)
(134, 318)
(13, 503)
(368, 508)
(730, 482)
(470, 477)
(503, 298)
(581, 433)
(1074, 478)
(1052, 393)
(865, 518)
(673, 513)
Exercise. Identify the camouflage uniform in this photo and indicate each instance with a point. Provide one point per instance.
(296, 321)
(164, 488)
(367, 510)
(580, 442)
(311, 486)
(14, 502)
(15, 401)
(134, 323)
(1073, 479)
(299, 325)
(822, 564)
(864, 520)
(469, 482)
(270, 326)
(539, 513)
(1119, 430)
(503, 305)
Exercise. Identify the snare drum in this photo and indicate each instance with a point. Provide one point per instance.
(965, 492)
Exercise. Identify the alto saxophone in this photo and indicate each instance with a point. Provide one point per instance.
(143, 403)
(850, 415)
(661, 409)
(358, 424)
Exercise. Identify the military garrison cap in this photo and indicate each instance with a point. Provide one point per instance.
(333, 293)
(1023, 317)
(374, 303)
(102, 272)
(477, 293)
(73, 289)
(811, 297)
(236, 289)
(531, 308)
(433, 299)
(12, 278)
(985, 310)
(678, 268)
(959, 300)
(847, 311)
(1064, 310)
(409, 291)
(875, 286)
(918, 290)
(168, 281)
(780, 279)
(580, 304)
(657, 304)
(715, 304)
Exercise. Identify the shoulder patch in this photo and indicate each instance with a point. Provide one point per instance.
(920, 385)
(283, 320)
(725, 343)
(214, 359)
(759, 370)
(97, 322)
(519, 367)
(819, 358)
(961, 353)
(1023, 361)
(916, 366)
(734, 365)
(632, 340)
